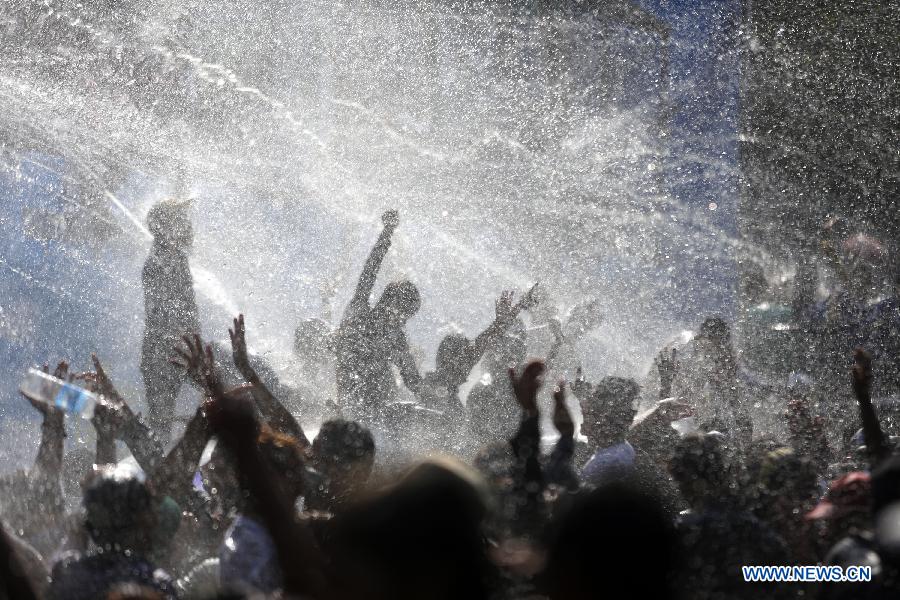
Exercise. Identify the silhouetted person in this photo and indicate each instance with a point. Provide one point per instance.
(121, 516)
(170, 307)
(371, 338)
(612, 534)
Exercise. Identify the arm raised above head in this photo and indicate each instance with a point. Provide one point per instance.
(273, 411)
(366, 283)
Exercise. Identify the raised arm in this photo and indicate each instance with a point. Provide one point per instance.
(876, 446)
(114, 418)
(667, 366)
(506, 312)
(273, 411)
(390, 219)
(583, 318)
(234, 423)
(48, 463)
(528, 485)
(174, 476)
(560, 469)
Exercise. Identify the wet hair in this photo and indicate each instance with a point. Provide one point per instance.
(403, 295)
(340, 442)
(783, 474)
(116, 503)
(283, 452)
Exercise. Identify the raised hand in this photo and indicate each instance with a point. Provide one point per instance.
(667, 366)
(503, 307)
(110, 415)
(98, 382)
(526, 386)
(580, 387)
(199, 364)
(239, 354)
(667, 411)
(530, 299)
(390, 219)
(861, 378)
(49, 409)
(562, 418)
(61, 371)
(861, 373)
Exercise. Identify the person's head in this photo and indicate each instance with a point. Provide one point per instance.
(609, 411)
(787, 484)
(420, 538)
(284, 455)
(399, 302)
(612, 533)
(715, 333)
(120, 510)
(846, 507)
(454, 354)
(700, 469)
(170, 224)
(344, 452)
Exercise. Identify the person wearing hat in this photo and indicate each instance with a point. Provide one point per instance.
(170, 307)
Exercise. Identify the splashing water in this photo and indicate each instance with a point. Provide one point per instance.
(517, 146)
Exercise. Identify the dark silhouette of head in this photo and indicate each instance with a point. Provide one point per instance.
(399, 301)
(344, 452)
(120, 510)
(609, 411)
(170, 224)
(614, 533)
(420, 539)
(700, 469)
(787, 484)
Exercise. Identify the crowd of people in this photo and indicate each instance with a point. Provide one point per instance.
(419, 486)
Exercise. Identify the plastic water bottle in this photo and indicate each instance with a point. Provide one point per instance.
(52, 390)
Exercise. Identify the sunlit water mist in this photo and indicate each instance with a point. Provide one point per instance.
(517, 148)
